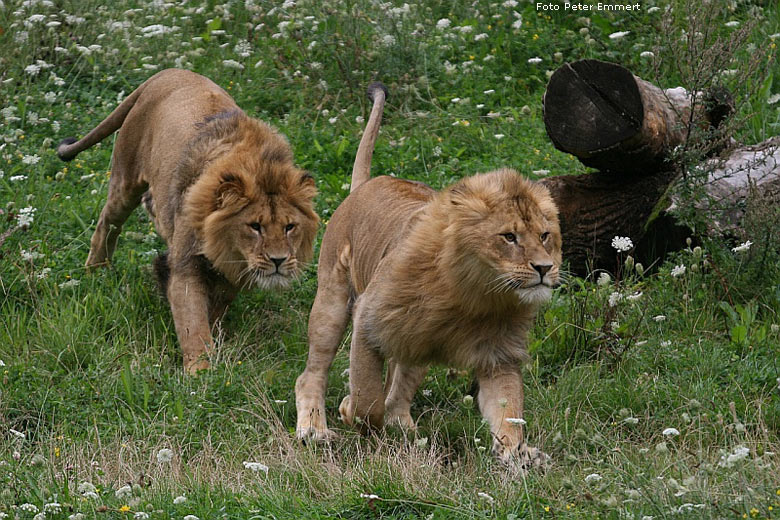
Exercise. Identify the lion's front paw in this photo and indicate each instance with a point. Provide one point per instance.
(312, 434)
(312, 427)
(523, 457)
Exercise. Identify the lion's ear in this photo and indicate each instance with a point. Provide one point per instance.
(307, 179)
(231, 190)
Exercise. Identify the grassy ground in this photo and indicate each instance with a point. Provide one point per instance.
(665, 405)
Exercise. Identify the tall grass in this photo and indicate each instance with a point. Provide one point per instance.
(661, 402)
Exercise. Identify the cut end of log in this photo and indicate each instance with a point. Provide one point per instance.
(590, 106)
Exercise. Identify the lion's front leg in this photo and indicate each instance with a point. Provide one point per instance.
(189, 301)
(327, 323)
(500, 400)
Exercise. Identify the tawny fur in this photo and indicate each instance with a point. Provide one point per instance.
(435, 279)
(221, 188)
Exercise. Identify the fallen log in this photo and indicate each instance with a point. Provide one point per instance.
(595, 207)
(613, 120)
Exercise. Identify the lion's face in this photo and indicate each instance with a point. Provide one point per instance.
(262, 225)
(510, 225)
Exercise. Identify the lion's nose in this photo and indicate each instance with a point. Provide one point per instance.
(278, 261)
(542, 269)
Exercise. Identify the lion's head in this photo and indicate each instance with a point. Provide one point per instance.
(252, 210)
(508, 224)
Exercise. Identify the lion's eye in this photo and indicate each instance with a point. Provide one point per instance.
(509, 237)
(289, 227)
(544, 236)
(256, 226)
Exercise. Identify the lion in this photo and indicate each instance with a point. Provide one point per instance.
(452, 278)
(221, 189)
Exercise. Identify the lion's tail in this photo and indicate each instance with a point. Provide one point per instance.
(361, 171)
(70, 147)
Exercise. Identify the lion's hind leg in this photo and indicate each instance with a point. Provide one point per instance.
(124, 195)
(364, 407)
(327, 322)
(402, 383)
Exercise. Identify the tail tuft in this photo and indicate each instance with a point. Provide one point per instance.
(62, 149)
(374, 87)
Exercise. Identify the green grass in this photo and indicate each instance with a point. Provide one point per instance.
(91, 372)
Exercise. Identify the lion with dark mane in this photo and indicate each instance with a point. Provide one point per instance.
(221, 188)
(452, 277)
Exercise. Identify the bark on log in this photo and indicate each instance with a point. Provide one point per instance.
(596, 207)
(612, 120)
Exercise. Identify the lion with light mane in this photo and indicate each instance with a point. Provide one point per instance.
(452, 277)
(223, 193)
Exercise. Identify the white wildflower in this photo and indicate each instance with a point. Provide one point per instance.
(443, 23)
(77, 516)
(480, 37)
(164, 455)
(634, 297)
(33, 69)
(369, 496)
(630, 420)
(421, 442)
(50, 97)
(593, 477)
(29, 508)
(25, 216)
(232, 64)
(256, 466)
(678, 271)
(332, 120)
(739, 453)
(489, 91)
(243, 48)
(14, 178)
(141, 515)
(622, 244)
(52, 507)
(388, 40)
(670, 432)
(179, 500)
(604, 279)
(44, 273)
(659, 318)
(190, 517)
(541, 173)
(742, 247)
(493, 115)
(86, 487)
(486, 497)
(666, 343)
(498, 136)
(615, 298)
(535, 60)
(29, 256)
(70, 283)
(509, 4)
(31, 159)
(618, 35)
(360, 119)
(773, 99)
(646, 54)
(732, 23)
(124, 492)
(518, 23)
